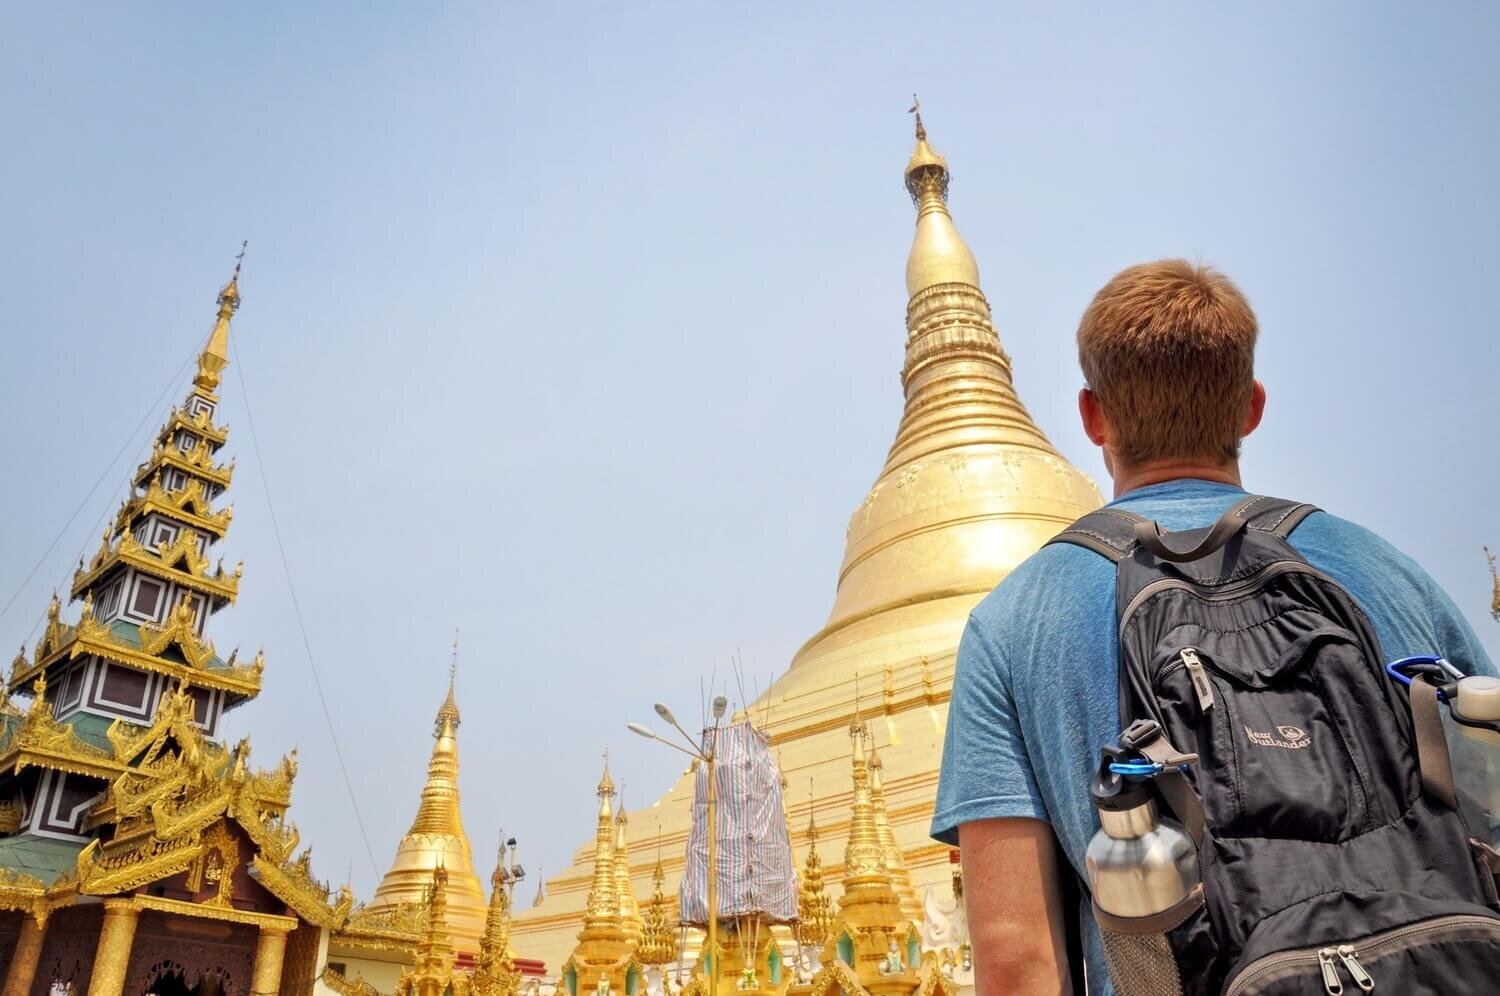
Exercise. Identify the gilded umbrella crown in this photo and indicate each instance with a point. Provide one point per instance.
(938, 254)
(447, 714)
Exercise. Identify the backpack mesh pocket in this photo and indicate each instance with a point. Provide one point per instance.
(1139, 950)
(1141, 964)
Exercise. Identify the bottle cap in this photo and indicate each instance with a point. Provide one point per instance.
(1478, 698)
(1114, 791)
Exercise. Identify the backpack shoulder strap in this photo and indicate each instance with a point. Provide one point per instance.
(1109, 532)
(1112, 532)
(1276, 516)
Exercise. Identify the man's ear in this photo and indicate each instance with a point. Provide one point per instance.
(1095, 426)
(1256, 410)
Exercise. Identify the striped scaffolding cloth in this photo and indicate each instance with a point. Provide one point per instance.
(757, 875)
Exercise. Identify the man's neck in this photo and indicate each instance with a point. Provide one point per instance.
(1127, 479)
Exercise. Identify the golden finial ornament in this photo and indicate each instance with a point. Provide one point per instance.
(215, 355)
(938, 254)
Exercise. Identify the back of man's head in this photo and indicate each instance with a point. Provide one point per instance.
(1168, 349)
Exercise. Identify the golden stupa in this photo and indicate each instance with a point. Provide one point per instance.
(970, 489)
(437, 840)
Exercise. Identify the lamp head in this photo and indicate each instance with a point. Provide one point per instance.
(665, 713)
(720, 704)
(640, 731)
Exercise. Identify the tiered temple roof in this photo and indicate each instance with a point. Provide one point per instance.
(113, 785)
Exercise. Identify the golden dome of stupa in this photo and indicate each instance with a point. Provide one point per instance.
(971, 487)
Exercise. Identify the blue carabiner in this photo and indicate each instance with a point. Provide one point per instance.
(1399, 669)
(1137, 769)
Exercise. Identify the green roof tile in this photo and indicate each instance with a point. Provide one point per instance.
(40, 857)
(90, 729)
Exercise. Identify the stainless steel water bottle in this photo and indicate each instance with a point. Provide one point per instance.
(1138, 864)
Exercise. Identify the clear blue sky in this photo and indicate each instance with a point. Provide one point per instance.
(578, 326)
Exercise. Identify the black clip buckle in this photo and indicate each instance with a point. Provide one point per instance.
(1144, 732)
(1140, 733)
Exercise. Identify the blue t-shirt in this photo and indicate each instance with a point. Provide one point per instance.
(1035, 692)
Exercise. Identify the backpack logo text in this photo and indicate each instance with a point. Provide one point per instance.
(1291, 737)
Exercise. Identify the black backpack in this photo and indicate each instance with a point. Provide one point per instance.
(1333, 857)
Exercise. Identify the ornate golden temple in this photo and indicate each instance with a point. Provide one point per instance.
(139, 854)
(970, 489)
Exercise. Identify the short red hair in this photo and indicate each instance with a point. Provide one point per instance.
(1168, 348)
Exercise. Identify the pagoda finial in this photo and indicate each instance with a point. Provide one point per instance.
(938, 253)
(448, 716)
(606, 789)
(916, 108)
(215, 355)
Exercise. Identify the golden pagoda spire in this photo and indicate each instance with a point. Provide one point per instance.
(814, 908)
(900, 876)
(437, 839)
(431, 973)
(864, 856)
(630, 910)
(605, 948)
(603, 905)
(215, 355)
(869, 908)
(970, 486)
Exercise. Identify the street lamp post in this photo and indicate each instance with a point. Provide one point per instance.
(697, 751)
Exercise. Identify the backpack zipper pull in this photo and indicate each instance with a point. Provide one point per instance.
(1332, 984)
(1201, 685)
(1351, 960)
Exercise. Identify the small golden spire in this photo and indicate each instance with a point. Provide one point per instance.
(657, 947)
(437, 837)
(814, 908)
(895, 864)
(630, 910)
(603, 904)
(215, 355)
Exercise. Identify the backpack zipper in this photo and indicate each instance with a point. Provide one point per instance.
(1332, 984)
(1201, 685)
(1362, 978)
(1223, 593)
(1349, 954)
